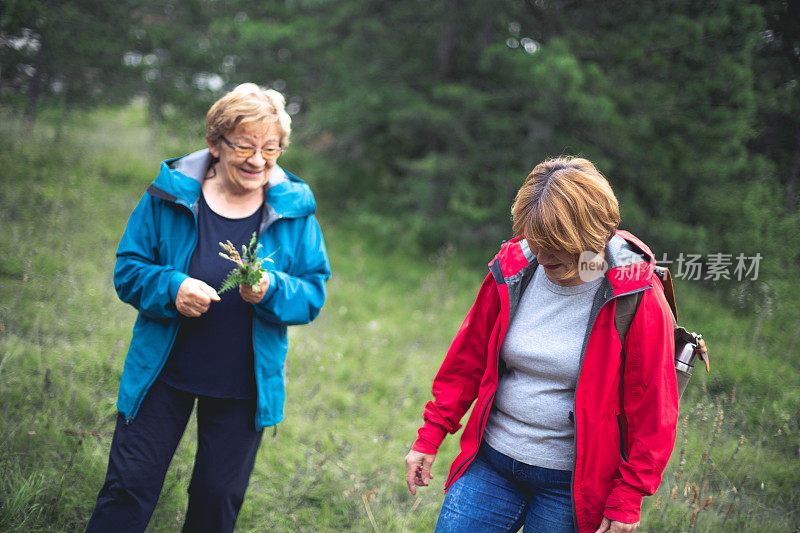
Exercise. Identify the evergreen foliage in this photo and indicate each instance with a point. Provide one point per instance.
(70, 54)
(421, 119)
(435, 111)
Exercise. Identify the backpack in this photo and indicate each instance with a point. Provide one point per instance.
(688, 346)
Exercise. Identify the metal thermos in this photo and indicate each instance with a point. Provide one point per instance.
(685, 355)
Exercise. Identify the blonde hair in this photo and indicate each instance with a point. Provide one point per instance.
(566, 205)
(248, 104)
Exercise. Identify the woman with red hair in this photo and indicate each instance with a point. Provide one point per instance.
(569, 428)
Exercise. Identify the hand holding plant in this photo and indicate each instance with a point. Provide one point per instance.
(249, 271)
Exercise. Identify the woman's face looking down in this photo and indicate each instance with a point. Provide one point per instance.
(557, 266)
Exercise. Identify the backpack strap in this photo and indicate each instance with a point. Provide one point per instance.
(629, 303)
(669, 291)
(623, 314)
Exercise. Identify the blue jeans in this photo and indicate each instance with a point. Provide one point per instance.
(498, 493)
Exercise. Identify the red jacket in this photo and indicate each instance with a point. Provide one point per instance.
(624, 428)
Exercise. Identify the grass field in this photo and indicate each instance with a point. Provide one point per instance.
(357, 377)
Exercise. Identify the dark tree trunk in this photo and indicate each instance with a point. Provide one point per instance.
(447, 40)
(34, 90)
(794, 171)
(485, 33)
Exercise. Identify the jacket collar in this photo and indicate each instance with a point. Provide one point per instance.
(630, 263)
(180, 179)
(630, 269)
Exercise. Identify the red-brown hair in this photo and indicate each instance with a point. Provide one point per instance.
(566, 205)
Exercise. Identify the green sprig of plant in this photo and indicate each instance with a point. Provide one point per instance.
(249, 270)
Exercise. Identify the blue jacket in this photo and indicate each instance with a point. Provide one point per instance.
(153, 257)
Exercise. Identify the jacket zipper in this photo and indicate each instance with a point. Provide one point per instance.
(471, 458)
(261, 231)
(152, 379)
(575, 401)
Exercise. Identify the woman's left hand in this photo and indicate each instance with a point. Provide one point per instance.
(613, 526)
(251, 296)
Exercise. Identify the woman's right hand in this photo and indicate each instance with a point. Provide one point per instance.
(194, 297)
(418, 470)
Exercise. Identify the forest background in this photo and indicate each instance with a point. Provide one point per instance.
(415, 122)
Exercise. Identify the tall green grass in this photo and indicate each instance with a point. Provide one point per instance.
(357, 377)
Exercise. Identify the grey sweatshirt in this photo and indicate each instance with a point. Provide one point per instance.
(529, 420)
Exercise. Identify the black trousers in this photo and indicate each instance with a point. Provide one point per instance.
(141, 451)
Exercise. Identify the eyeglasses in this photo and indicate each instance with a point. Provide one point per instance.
(248, 151)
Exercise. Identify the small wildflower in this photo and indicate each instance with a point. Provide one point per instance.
(707, 503)
(693, 518)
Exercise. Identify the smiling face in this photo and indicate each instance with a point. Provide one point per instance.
(242, 175)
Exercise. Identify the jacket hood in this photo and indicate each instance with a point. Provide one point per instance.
(180, 179)
(629, 262)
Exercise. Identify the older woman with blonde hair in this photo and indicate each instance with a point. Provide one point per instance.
(190, 344)
(569, 428)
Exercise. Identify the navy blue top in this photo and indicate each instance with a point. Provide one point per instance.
(213, 353)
